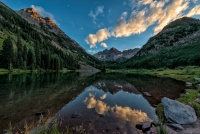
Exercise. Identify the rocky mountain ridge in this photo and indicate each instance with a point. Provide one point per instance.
(47, 26)
(113, 54)
(178, 32)
(176, 45)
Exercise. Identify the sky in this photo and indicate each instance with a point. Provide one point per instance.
(102, 24)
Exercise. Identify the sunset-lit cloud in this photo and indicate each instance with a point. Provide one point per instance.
(194, 11)
(104, 45)
(146, 13)
(100, 36)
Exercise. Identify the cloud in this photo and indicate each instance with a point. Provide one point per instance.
(98, 11)
(137, 46)
(43, 13)
(104, 45)
(194, 11)
(100, 36)
(91, 51)
(146, 13)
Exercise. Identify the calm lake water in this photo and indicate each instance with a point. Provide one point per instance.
(101, 103)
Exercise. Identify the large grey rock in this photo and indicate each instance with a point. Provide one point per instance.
(178, 112)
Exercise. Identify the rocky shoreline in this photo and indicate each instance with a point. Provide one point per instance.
(178, 117)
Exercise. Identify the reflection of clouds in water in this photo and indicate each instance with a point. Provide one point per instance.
(100, 106)
(103, 96)
(122, 113)
(128, 114)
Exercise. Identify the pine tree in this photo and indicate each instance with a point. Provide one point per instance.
(8, 53)
(19, 51)
(24, 53)
(38, 54)
(31, 60)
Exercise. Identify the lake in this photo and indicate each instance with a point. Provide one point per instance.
(100, 103)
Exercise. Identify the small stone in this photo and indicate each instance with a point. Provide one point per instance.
(198, 100)
(196, 79)
(188, 84)
(146, 126)
(197, 86)
(146, 94)
(198, 95)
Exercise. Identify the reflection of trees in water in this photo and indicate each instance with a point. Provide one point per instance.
(22, 96)
(158, 87)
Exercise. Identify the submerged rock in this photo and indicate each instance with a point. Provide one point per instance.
(178, 112)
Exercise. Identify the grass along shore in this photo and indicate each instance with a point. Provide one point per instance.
(19, 71)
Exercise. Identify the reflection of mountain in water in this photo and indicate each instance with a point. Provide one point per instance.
(114, 86)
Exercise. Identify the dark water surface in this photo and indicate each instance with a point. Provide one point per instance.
(101, 103)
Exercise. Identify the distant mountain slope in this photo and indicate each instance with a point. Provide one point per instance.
(115, 55)
(47, 45)
(178, 44)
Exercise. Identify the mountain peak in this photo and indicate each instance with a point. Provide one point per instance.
(113, 48)
(31, 15)
(113, 54)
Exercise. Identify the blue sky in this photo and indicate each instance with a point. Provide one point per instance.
(100, 24)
